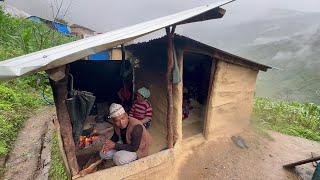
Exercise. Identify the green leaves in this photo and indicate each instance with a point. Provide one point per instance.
(21, 36)
(292, 118)
(26, 36)
(20, 97)
(15, 104)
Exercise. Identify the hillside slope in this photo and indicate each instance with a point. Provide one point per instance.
(20, 97)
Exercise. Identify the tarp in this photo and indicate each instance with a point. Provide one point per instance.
(35, 19)
(67, 53)
(62, 28)
(101, 56)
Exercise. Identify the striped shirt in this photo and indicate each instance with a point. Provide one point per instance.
(141, 110)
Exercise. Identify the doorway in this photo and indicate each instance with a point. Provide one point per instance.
(196, 81)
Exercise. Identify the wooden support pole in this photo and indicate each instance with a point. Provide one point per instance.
(292, 165)
(123, 53)
(169, 87)
(177, 101)
(60, 94)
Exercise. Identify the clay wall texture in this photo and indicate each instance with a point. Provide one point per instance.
(230, 100)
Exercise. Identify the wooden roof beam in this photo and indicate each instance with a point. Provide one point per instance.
(215, 13)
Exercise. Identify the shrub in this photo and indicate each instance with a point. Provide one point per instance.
(20, 97)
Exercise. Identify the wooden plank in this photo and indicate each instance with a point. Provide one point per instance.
(60, 94)
(309, 160)
(88, 170)
(169, 87)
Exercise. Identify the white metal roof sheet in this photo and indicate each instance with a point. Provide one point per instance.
(67, 53)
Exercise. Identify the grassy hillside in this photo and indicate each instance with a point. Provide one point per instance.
(20, 97)
(292, 118)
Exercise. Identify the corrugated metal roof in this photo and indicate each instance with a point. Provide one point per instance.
(67, 53)
(186, 42)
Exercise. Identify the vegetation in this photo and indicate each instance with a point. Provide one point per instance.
(292, 118)
(20, 97)
(57, 169)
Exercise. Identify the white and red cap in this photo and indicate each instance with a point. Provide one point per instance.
(116, 110)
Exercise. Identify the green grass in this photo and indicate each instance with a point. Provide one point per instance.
(291, 118)
(15, 107)
(19, 98)
(57, 169)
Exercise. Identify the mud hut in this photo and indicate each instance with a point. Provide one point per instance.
(221, 106)
(219, 87)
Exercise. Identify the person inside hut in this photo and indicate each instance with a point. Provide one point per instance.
(141, 108)
(130, 140)
(186, 104)
(124, 96)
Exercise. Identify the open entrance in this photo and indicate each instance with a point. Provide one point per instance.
(196, 82)
(110, 82)
(107, 82)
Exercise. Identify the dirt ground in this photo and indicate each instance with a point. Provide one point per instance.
(30, 157)
(222, 159)
(218, 159)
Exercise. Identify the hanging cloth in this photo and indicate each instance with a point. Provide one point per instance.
(176, 78)
(79, 106)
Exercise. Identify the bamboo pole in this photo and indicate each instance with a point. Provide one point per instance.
(169, 86)
(60, 93)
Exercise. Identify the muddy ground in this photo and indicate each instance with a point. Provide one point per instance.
(222, 159)
(30, 157)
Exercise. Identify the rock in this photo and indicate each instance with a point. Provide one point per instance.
(3, 160)
(240, 142)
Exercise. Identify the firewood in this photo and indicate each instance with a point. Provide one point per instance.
(92, 168)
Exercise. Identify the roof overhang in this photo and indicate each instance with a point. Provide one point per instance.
(215, 13)
(73, 51)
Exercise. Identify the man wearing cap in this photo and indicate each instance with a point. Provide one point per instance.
(130, 140)
(141, 108)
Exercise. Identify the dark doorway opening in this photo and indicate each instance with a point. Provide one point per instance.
(196, 82)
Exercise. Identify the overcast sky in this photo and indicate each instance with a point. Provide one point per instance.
(102, 15)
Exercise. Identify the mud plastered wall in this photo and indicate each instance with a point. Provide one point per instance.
(231, 100)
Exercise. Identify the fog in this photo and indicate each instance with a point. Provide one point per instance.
(103, 16)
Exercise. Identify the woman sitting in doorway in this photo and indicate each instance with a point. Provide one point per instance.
(141, 109)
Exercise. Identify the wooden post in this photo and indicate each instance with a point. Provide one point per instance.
(177, 101)
(169, 86)
(292, 165)
(60, 94)
(123, 53)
